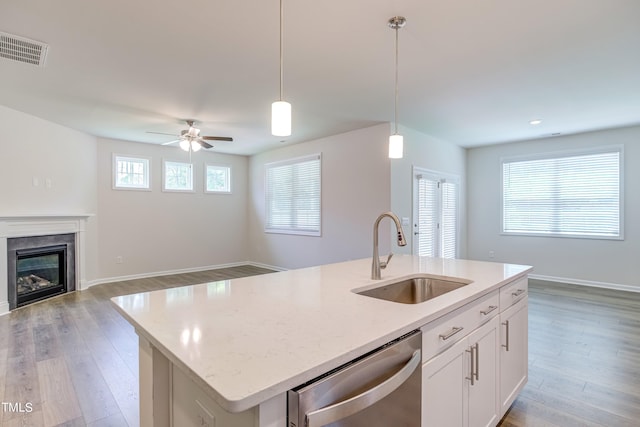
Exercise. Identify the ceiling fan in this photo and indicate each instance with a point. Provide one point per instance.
(190, 139)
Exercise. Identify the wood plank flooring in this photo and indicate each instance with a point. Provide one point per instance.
(74, 359)
(584, 358)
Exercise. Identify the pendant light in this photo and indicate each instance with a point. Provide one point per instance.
(281, 110)
(396, 140)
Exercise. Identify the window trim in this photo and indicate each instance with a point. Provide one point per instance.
(291, 161)
(217, 165)
(164, 178)
(114, 172)
(561, 154)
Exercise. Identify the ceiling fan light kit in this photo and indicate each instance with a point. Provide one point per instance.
(191, 140)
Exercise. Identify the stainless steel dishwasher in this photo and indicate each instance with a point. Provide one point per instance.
(381, 388)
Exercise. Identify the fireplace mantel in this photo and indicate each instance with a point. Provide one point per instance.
(41, 225)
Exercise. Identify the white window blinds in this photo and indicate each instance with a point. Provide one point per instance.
(437, 224)
(574, 195)
(449, 230)
(293, 196)
(427, 218)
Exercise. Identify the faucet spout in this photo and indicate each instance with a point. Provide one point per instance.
(378, 265)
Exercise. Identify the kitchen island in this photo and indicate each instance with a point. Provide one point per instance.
(233, 348)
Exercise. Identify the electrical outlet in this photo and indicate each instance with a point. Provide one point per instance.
(119, 259)
(204, 418)
(492, 254)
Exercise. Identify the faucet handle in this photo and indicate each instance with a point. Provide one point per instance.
(383, 264)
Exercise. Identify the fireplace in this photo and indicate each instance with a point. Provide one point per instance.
(40, 267)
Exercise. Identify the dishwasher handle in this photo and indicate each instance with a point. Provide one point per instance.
(340, 410)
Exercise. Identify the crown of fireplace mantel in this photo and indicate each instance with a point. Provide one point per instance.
(33, 225)
(25, 225)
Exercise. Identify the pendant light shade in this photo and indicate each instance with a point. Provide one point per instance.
(395, 146)
(396, 141)
(281, 118)
(281, 110)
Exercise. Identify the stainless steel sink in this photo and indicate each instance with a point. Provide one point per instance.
(415, 290)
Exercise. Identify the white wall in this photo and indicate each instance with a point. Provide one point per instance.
(426, 152)
(588, 261)
(156, 231)
(355, 190)
(48, 169)
(35, 153)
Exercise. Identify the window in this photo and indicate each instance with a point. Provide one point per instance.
(293, 196)
(130, 173)
(436, 214)
(217, 179)
(178, 176)
(574, 194)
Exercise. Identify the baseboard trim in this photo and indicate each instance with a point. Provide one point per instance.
(4, 307)
(590, 283)
(104, 280)
(267, 266)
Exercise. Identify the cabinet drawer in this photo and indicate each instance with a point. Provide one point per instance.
(513, 292)
(442, 333)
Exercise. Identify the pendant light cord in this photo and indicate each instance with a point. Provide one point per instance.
(281, 52)
(396, 99)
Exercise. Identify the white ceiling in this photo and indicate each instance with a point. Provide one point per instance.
(471, 72)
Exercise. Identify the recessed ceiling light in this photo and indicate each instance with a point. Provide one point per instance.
(535, 122)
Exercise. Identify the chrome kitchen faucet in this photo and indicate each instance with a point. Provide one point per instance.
(377, 265)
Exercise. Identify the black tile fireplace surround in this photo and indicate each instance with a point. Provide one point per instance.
(40, 267)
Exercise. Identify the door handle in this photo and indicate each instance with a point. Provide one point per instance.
(340, 410)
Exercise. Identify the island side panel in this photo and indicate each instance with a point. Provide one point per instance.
(155, 386)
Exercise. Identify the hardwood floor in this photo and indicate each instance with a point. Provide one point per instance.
(73, 360)
(584, 358)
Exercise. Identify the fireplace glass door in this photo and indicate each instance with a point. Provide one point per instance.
(40, 273)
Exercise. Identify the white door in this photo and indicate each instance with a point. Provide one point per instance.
(435, 214)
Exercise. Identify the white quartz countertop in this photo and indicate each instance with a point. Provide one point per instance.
(247, 340)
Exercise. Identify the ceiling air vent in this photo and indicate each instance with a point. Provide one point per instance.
(24, 50)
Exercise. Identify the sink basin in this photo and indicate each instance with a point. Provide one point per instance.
(415, 290)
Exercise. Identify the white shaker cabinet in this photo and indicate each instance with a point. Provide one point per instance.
(475, 360)
(513, 352)
(459, 385)
(459, 376)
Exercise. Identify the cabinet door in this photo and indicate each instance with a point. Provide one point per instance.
(513, 352)
(483, 393)
(444, 389)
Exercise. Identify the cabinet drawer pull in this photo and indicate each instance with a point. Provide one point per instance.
(488, 310)
(517, 293)
(451, 333)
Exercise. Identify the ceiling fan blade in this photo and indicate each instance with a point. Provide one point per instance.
(217, 138)
(205, 144)
(170, 142)
(162, 133)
